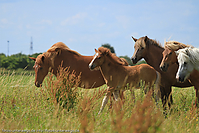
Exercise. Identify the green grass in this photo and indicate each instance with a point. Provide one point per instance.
(26, 107)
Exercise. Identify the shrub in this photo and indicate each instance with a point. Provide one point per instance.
(64, 90)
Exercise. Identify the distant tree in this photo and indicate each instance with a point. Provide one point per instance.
(107, 45)
(17, 61)
(2, 55)
(141, 62)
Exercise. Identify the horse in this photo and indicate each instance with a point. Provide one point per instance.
(120, 77)
(61, 55)
(188, 59)
(151, 51)
(170, 57)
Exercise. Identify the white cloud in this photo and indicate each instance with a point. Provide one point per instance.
(4, 21)
(78, 18)
(45, 21)
(123, 21)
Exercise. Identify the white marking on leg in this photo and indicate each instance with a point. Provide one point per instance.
(104, 102)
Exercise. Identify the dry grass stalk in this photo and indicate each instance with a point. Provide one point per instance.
(144, 117)
(86, 110)
(63, 90)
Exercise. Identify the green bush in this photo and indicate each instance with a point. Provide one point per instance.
(64, 90)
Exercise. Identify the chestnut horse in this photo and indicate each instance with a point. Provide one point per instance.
(170, 58)
(120, 77)
(59, 54)
(151, 51)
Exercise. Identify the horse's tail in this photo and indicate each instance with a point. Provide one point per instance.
(157, 86)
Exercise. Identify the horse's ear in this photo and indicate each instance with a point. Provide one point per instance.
(187, 51)
(145, 38)
(33, 58)
(42, 58)
(176, 53)
(58, 51)
(95, 50)
(107, 51)
(134, 39)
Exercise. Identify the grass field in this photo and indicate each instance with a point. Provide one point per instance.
(24, 107)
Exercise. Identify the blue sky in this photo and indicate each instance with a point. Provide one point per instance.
(87, 24)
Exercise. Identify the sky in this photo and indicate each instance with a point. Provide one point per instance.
(84, 25)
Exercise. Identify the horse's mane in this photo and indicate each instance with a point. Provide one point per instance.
(111, 56)
(182, 54)
(125, 61)
(61, 46)
(151, 42)
(154, 42)
(193, 54)
(174, 45)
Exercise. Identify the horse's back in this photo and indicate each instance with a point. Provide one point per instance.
(147, 73)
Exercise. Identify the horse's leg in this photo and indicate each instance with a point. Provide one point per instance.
(158, 94)
(170, 99)
(116, 94)
(166, 97)
(163, 96)
(197, 96)
(105, 100)
(195, 81)
(122, 96)
(111, 101)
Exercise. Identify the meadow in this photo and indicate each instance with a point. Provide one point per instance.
(26, 108)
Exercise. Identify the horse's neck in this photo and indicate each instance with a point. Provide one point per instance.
(69, 59)
(108, 67)
(51, 65)
(154, 56)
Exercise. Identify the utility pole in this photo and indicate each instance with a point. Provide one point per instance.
(31, 47)
(8, 48)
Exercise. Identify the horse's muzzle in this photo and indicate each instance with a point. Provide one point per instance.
(92, 67)
(164, 67)
(134, 60)
(38, 84)
(180, 79)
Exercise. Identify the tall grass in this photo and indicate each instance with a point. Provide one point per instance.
(26, 107)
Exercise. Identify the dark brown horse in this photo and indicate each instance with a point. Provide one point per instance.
(170, 58)
(120, 77)
(151, 51)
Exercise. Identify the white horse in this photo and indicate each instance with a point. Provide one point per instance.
(188, 59)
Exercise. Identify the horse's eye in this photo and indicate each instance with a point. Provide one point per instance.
(142, 48)
(41, 68)
(185, 63)
(170, 53)
(99, 57)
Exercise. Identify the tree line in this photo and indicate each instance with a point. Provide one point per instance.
(17, 61)
(22, 61)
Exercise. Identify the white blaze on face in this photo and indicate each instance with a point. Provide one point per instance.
(180, 62)
(36, 66)
(177, 74)
(93, 59)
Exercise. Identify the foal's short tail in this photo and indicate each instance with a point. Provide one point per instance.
(157, 86)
